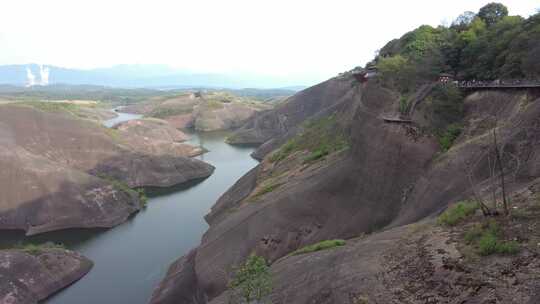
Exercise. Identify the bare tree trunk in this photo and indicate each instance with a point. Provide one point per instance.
(477, 197)
(492, 175)
(499, 163)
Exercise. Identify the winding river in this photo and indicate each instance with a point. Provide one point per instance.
(132, 258)
(121, 117)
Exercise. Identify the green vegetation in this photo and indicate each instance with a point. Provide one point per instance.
(320, 137)
(328, 244)
(252, 280)
(447, 138)
(123, 187)
(445, 113)
(47, 106)
(107, 95)
(457, 213)
(396, 71)
(403, 104)
(142, 197)
(486, 238)
(492, 13)
(164, 112)
(316, 155)
(267, 188)
(488, 45)
(284, 151)
(447, 105)
(36, 249)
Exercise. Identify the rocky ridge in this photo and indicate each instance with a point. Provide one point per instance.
(201, 111)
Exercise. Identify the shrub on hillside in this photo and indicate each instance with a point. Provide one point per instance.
(456, 213)
(252, 280)
(320, 137)
(328, 244)
(486, 237)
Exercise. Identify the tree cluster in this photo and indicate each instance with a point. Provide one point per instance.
(487, 45)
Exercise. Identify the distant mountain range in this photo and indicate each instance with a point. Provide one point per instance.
(147, 76)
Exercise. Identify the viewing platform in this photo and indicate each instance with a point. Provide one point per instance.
(395, 118)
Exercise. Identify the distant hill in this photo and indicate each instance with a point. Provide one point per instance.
(123, 96)
(148, 76)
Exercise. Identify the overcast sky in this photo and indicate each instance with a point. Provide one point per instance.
(275, 37)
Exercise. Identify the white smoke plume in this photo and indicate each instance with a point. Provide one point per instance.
(44, 75)
(30, 78)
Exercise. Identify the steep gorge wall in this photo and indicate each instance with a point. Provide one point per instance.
(391, 175)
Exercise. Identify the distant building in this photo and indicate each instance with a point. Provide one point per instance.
(446, 78)
(371, 71)
(363, 75)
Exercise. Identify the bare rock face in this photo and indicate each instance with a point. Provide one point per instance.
(39, 195)
(391, 175)
(155, 137)
(234, 196)
(181, 284)
(284, 119)
(26, 278)
(57, 170)
(360, 189)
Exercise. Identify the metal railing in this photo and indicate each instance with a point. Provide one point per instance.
(516, 83)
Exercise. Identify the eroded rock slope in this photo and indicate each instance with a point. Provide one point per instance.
(60, 171)
(387, 175)
(29, 277)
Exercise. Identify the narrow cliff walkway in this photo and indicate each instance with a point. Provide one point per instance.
(418, 97)
(412, 103)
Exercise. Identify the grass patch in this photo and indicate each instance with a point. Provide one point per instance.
(485, 237)
(284, 151)
(456, 213)
(328, 244)
(267, 189)
(53, 106)
(167, 112)
(316, 155)
(449, 135)
(36, 249)
(320, 137)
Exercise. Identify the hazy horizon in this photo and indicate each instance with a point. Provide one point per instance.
(308, 41)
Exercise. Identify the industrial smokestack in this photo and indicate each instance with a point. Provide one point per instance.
(44, 75)
(30, 78)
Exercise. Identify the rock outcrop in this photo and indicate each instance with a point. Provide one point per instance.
(181, 284)
(29, 277)
(392, 174)
(60, 171)
(270, 127)
(155, 137)
(210, 111)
